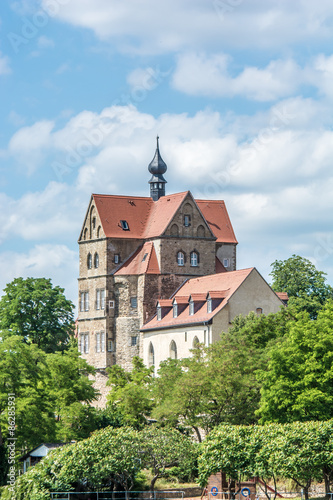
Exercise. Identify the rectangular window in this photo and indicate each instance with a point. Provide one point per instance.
(86, 342)
(134, 302)
(82, 301)
(134, 341)
(98, 299)
(116, 258)
(86, 301)
(110, 345)
(144, 257)
(102, 299)
(205, 337)
(209, 305)
(98, 342)
(124, 225)
(191, 306)
(175, 310)
(226, 262)
(187, 220)
(81, 343)
(185, 336)
(102, 341)
(159, 313)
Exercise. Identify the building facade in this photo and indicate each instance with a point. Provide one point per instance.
(135, 250)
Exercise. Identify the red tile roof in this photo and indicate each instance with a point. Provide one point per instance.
(136, 264)
(219, 267)
(198, 297)
(215, 284)
(215, 213)
(282, 295)
(149, 219)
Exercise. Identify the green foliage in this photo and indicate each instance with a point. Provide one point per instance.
(298, 381)
(110, 457)
(38, 312)
(130, 394)
(298, 451)
(49, 389)
(305, 285)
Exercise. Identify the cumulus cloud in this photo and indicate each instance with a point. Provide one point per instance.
(201, 74)
(29, 143)
(141, 27)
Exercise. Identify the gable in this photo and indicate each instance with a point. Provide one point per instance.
(188, 221)
(92, 226)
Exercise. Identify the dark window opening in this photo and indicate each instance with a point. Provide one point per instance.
(124, 225)
(144, 257)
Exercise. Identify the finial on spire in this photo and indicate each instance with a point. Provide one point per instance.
(157, 167)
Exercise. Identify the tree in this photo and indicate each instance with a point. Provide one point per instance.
(51, 389)
(130, 393)
(38, 312)
(298, 381)
(306, 286)
(166, 448)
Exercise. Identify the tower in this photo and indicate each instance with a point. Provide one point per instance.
(157, 167)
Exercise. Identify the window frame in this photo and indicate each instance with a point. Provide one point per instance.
(194, 259)
(96, 260)
(180, 258)
(89, 261)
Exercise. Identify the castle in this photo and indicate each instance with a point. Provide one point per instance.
(135, 251)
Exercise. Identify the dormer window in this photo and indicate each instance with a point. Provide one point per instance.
(89, 261)
(144, 257)
(209, 305)
(124, 225)
(159, 313)
(191, 308)
(175, 310)
(187, 220)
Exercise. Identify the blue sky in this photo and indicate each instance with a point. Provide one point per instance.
(240, 93)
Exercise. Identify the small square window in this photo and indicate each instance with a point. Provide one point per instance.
(134, 341)
(116, 258)
(226, 262)
(124, 225)
(134, 302)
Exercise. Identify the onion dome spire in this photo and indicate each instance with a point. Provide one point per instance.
(157, 167)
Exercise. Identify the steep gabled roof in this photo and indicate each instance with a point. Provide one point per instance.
(143, 261)
(147, 219)
(220, 287)
(215, 213)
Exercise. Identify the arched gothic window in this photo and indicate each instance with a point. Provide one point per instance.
(151, 355)
(174, 231)
(173, 350)
(89, 261)
(201, 232)
(96, 260)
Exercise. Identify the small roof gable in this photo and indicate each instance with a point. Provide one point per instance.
(215, 213)
(41, 450)
(218, 286)
(143, 261)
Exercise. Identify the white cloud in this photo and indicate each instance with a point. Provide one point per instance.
(183, 24)
(29, 143)
(44, 42)
(209, 75)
